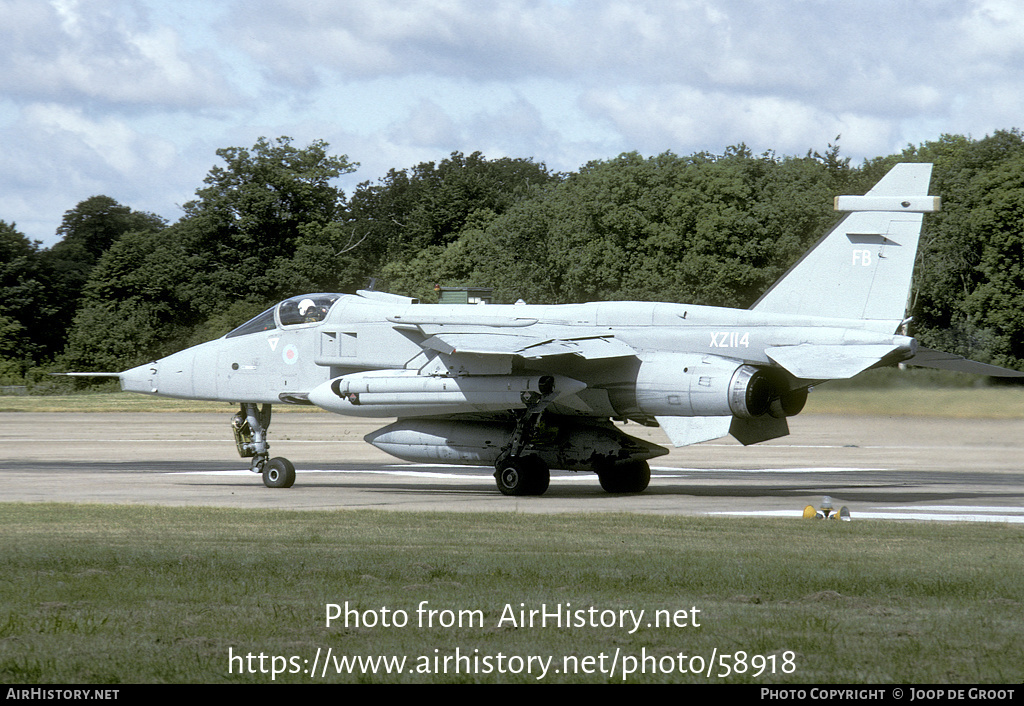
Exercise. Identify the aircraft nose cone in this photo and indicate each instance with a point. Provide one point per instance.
(141, 379)
(167, 377)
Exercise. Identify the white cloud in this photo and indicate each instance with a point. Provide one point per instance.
(108, 141)
(994, 28)
(103, 51)
(684, 119)
(427, 125)
(877, 58)
(484, 41)
(132, 97)
(56, 156)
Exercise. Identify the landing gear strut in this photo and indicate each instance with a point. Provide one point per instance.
(525, 475)
(250, 428)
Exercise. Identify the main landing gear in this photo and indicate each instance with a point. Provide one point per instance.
(518, 474)
(250, 428)
(630, 476)
(525, 475)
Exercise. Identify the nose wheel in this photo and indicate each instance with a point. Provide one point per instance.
(278, 473)
(250, 429)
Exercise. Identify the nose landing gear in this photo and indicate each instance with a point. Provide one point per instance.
(250, 429)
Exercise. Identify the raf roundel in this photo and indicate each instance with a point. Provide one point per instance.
(290, 354)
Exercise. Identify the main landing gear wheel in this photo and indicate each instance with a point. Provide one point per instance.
(279, 473)
(626, 477)
(525, 475)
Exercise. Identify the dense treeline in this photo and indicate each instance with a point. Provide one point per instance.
(123, 287)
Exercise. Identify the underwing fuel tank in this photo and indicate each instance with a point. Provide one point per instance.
(562, 442)
(405, 393)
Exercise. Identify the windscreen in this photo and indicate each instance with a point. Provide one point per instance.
(263, 322)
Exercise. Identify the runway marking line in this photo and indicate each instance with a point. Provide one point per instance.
(933, 513)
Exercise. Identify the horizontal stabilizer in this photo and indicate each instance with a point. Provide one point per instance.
(823, 362)
(683, 431)
(928, 358)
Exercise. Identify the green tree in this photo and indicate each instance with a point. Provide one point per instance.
(133, 308)
(996, 304)
(98, 222)
(707, 229)
(968, 262)
(252, 215)
(259, 220)
(412, 215)
(24, 307)
(702, 229)
(88, 231)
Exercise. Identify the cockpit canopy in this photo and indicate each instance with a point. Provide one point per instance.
(303, 309)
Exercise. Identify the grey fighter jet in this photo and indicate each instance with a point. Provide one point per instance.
(528, 388)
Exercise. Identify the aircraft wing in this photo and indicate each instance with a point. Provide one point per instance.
(828, 362)
(534, 347)
(928, 358)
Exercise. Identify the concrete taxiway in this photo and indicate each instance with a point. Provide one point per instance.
(880, 467)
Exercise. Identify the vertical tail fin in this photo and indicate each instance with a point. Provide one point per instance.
(862, 268)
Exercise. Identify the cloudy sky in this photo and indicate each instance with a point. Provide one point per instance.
(131, 98)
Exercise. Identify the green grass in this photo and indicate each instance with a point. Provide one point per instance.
(958, 403)
(122, 402)
(918, 392)
(108, 594)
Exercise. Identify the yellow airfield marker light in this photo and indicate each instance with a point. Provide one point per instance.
(827, 511)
